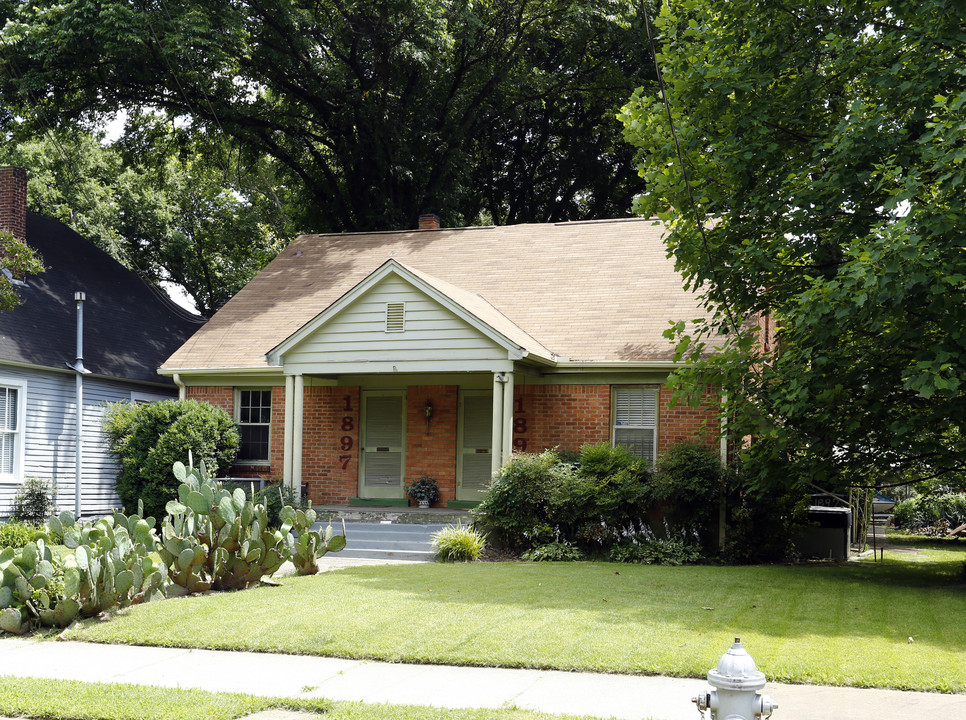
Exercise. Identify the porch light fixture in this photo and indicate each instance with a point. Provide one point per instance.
(428, 411)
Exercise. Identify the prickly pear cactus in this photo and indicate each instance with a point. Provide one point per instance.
(305, 544)
(213, 539)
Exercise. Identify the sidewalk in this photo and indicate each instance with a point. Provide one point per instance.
(620, 696)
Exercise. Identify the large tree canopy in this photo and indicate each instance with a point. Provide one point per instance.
(377, 110)
(173, 209)
(825, 144)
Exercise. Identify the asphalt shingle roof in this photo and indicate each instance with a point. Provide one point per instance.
(587, 291)
(129, 328)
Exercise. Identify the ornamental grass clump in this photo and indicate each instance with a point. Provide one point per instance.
(458, 543)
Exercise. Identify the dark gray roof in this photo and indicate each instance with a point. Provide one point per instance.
(129, 328)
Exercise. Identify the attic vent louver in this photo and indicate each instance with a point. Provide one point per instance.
(395, 317)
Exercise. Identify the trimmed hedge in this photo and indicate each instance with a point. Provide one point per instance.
(149, 439)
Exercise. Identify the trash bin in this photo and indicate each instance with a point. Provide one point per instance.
(828, 533)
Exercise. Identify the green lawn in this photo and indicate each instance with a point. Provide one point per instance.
(30, 697)
(845, 624)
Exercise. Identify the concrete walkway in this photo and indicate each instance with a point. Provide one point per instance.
(619, 696)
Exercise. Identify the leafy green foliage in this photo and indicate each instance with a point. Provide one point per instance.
(553, 552)
(927, 510)
(458, 543)
(33, 502)
(16, 534)
(169, 207)
(495, 111)
(20, 260)
(424, 489)
(538, 498)
(691, 484)
(149, 439)
(656, 551)
(826, 141)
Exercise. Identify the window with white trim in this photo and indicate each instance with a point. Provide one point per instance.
(255, 425)
(635, 420)
(11, 430)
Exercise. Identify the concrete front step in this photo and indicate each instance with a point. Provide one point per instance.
(387, 540)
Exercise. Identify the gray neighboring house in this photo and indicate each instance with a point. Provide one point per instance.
(129, 330)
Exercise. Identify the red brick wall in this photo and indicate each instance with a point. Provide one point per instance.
(564, 416)
(684, 423)
(13, 201)
(330, 443)
(431, 447)
(223, 397)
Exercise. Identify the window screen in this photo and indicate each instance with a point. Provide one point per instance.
(8, 429)
(635, 420)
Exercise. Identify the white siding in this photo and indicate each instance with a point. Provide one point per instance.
(49, 438)
(358, 333)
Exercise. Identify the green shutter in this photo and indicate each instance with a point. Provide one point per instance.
(476, 440)
(383, 445)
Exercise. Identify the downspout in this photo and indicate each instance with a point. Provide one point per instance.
(79, 372)
(182, 391)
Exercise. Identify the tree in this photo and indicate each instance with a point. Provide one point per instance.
(825, 146)
(373, 111)
(17, 260)
(173, 209)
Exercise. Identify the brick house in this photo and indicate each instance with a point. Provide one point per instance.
(356, 363)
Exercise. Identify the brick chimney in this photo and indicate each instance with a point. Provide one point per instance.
(429, 221)
(13, 201)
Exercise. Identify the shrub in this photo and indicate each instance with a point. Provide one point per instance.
(929, 510)
(691, 483)
(458, 543)
(16, 534)
(34, 501)
(148, 439)
(583, 498)
(516, 504)
(553, 552)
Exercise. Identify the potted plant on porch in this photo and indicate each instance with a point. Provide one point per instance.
(424, 491)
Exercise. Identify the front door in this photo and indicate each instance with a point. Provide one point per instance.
(475, 465)
(383, 444)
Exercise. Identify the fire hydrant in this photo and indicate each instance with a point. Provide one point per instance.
(737, 682)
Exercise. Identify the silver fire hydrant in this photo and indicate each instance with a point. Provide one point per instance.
(737, 682)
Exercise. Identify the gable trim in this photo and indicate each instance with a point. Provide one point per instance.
(389, 268)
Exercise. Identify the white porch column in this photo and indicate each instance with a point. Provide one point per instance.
(507, 417)
(289, 427)
(496, 453)
(297, 432)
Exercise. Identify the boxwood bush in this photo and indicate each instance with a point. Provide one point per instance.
(586, 500)
(149, 439)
